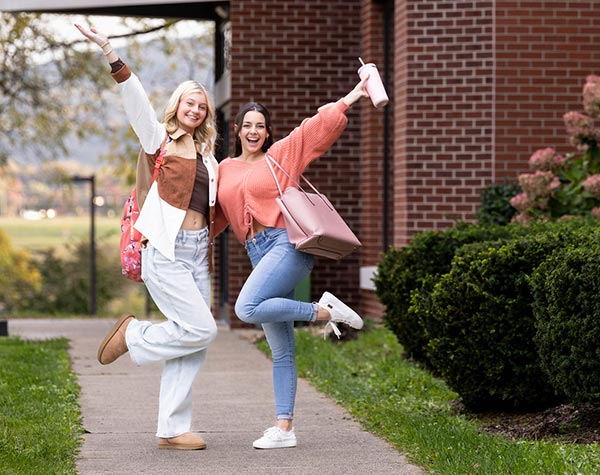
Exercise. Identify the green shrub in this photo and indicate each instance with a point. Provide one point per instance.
(481, 326)
(403, 271)
(19, 277)
(495, 204)
(567, 316)
(66, 282)
(418, 312)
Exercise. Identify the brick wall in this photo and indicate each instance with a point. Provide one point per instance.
(373, 149)
(477, 86)
(444, 112)
(400, 111)
(544, 51)
(480, 86)
(294, 56)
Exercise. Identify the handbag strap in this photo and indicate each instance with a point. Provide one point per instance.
(270, 159)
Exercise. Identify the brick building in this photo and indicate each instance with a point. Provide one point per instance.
(475, 88)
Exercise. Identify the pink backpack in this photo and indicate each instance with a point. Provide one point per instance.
(131, 239)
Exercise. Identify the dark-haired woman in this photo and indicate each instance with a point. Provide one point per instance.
(246, 196)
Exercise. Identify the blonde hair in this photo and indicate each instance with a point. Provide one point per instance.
(206, 133)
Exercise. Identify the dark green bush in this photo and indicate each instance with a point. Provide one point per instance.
(418, 312)
(480, 322)
(66, 281)
(566, 290)
(495, 203)
(402, 271)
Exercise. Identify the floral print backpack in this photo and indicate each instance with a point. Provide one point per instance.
(131, 239)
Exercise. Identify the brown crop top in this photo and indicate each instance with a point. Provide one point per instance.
(199, 199)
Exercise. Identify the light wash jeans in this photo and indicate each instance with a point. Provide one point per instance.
(181, 291)
(267, 297)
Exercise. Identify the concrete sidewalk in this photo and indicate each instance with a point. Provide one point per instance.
(233, 404)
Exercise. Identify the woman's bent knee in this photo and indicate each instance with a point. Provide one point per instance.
(203, 335)
(245, 311)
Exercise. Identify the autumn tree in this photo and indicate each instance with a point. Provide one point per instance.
(52, 91)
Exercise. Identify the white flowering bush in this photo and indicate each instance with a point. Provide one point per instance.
(570, 184)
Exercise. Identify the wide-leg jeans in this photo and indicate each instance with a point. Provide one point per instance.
(181, 291)
(267, 297)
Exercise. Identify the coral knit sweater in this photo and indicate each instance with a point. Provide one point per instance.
(247, 190)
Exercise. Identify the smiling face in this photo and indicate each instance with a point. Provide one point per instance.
(253, 132)
(192, 111)
(252, 112)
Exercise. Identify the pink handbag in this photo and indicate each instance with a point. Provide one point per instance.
(313, 224)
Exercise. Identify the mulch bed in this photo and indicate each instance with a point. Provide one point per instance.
(574, 423)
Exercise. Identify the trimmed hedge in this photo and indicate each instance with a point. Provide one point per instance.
(405, 270)
(480, 322)
(467, 310)
(567, 317)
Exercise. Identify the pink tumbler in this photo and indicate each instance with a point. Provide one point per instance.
(375, 88)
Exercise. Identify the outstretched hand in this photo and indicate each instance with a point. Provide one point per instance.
(357, 93)
(93, 35)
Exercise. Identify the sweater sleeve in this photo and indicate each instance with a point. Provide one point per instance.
(311, 139)
(139, 111)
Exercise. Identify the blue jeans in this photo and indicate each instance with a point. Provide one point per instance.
(267, 297)
(181, 291)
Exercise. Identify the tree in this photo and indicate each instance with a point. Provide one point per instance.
(39, 110)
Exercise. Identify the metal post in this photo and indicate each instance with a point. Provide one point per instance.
(93, 246)
(92, 290)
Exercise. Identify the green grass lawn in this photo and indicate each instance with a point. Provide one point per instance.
(40, 423)
(57, 232)
(413, 410)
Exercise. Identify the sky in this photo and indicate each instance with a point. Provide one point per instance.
(63, 25)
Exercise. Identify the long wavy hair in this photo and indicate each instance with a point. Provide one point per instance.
(206, 133)
(239, 118)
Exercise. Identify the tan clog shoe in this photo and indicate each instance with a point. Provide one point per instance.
(114, 344)
(187, 441)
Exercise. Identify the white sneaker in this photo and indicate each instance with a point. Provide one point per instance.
(340, 312)
(275, 438)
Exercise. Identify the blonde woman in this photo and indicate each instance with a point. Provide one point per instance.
(175, 214)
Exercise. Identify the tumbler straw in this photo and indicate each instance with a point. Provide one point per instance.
(361, 61)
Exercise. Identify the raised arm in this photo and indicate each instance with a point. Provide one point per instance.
(315, 135)
(139, 111)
